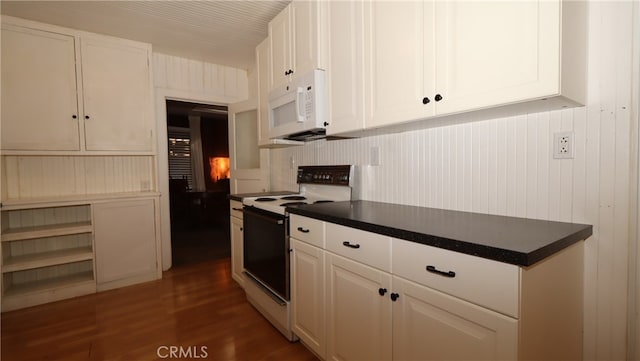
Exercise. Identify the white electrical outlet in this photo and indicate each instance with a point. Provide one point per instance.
(563, 145)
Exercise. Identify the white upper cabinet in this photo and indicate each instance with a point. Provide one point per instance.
(117, 95)
(425, 59)
(280, 40)
(39, 103)
(306, 32)
(294, 42)
(399, 67)
(65, 90)
(345, 67)
(262, 66)
(496, 53)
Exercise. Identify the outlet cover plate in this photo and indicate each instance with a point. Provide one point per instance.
(563, 145)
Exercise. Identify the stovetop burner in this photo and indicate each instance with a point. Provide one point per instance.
(294, 198)
(292, 204)
(316, 184)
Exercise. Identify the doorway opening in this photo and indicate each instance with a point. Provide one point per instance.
(198, 154)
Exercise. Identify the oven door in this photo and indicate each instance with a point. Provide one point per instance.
(266, 249)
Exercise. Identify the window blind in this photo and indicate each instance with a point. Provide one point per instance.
(180, 155)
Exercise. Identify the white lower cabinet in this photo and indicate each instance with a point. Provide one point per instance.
(382, 302)
(53, 251)
(125, 241)
(237, 240)
(430, 325)
(307, 295)
(358, 311)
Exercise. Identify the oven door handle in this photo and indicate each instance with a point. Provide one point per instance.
(266, 218)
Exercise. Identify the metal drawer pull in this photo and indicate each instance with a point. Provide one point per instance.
(303, 230)
(432, 269)
(348, 244)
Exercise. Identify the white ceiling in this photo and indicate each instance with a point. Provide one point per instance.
(220, 32)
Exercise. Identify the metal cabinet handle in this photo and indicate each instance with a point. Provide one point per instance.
(382, 291)
(303, 230)
(449, 274)
(348, 244)
(394, 297)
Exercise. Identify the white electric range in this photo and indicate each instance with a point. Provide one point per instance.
(266, 238)
(317, 184)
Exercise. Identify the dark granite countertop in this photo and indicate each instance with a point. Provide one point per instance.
(239, 197)
(519, 241)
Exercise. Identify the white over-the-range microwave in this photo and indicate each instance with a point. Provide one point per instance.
(298, 110)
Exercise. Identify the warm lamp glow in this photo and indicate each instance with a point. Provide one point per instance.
(219, 168)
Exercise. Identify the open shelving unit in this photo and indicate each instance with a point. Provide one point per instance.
(47, 254)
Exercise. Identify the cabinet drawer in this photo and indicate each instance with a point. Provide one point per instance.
(485, 282)
(369, 248)
(235, 209)
(308, 230)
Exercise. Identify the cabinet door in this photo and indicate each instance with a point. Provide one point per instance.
(125, 240)
(345, 72)
(307, 295)
(399, 61)
(280, 44)
(262, 65)
(359, 318)
(249, 165)
(492, 53)
(304, 36)
(237, 246)
(429, 325)
(117, 96)
(39, 96)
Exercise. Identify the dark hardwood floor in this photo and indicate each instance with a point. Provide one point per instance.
(197, 307)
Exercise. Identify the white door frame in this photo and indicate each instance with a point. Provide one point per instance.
(162, 95)
(633, 309)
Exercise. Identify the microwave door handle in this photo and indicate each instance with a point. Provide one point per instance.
(300, 103)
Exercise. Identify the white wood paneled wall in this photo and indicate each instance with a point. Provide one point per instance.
(506, 167)
(221, 82)
(58, 176)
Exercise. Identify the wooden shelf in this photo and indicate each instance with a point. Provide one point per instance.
(50, 284)
(44, 259)
(52, 230)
